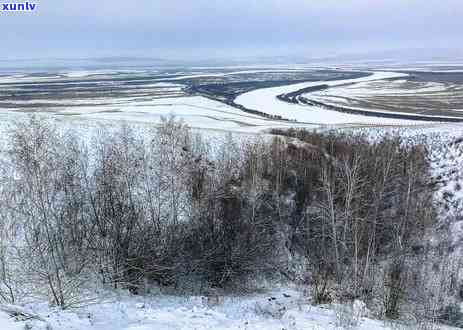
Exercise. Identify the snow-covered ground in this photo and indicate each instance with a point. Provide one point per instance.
(279, 309)
(398, 96)
(6, 323)
(153, 100)
(200, 112)
(196, 111)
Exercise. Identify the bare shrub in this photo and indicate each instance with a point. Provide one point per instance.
(358, 205)
(395, 290)
(345, 317)
(165, 208)
(48, 201)
(322, 290)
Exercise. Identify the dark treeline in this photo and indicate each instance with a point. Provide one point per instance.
(343, 215)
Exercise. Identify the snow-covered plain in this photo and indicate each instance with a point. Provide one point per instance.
(151, 100)
(196, 111)
(397, 96)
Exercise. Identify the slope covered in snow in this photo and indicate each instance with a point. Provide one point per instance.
(282, 308)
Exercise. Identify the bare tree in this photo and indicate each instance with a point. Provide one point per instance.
(48, 200)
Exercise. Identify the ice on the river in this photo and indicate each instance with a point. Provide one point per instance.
(266, 100)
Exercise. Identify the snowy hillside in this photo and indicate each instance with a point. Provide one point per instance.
(221, 177)
(284, 308)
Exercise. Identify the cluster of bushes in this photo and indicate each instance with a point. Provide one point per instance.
(171, 208)
(126, 209)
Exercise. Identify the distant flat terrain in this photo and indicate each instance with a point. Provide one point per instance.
(247, 99)
(427, 94)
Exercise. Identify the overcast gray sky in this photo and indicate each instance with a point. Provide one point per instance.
(212, 28)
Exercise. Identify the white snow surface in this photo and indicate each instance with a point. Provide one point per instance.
(343, 95)
(203, 113)
(280, 309)
(222, 74)
(6, 323)
(196, 111)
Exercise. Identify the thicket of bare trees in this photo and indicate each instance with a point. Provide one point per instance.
(360, 202)
(172, 209)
